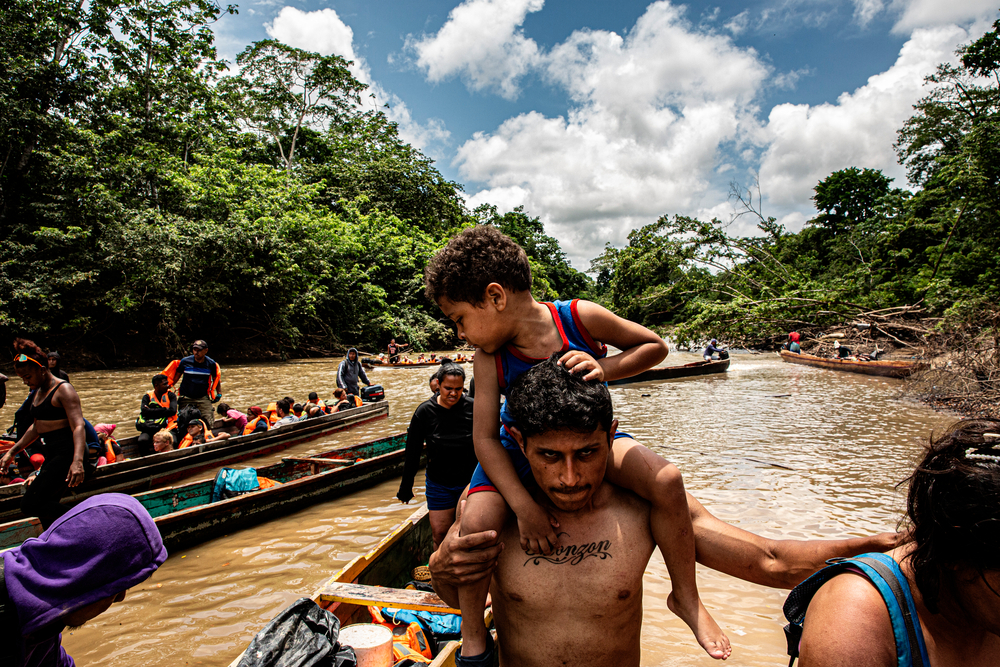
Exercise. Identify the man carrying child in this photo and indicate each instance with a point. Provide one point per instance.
(482, 281)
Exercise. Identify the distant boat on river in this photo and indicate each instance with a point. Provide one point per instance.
(672, 372)
(891, 369)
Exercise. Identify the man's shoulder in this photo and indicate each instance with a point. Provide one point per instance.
(619, 499)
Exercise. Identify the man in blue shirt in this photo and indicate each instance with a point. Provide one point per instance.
(200, 381)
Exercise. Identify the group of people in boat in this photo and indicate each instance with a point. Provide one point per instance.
(429, 358)
(841, 352)
(52, 447)
(563, 509)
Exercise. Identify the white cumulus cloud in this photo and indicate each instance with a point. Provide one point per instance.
(804, 143)
(650, 112)
(481, 42)
(324, 32)
(928, 13)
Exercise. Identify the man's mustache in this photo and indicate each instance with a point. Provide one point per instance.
(569, 490)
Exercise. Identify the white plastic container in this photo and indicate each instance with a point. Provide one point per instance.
(372, 643)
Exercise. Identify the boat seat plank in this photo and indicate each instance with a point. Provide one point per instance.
(384, 597)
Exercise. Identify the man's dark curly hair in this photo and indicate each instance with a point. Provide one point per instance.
(550, 398)
(472, 260)
(953, 506)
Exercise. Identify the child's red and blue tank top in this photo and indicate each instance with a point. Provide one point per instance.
(511, 364)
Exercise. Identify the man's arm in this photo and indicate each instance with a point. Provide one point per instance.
(774, 563)
(362, 375)
(340, 375)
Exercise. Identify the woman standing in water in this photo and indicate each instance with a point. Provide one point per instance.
(58, 420)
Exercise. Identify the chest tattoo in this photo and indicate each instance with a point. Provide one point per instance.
(572, 554)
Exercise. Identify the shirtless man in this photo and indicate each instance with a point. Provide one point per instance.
(546, 606)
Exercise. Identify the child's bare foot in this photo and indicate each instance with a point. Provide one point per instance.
(706, 630)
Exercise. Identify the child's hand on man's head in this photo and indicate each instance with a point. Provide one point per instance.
(581, 363)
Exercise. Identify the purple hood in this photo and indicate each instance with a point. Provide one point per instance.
(103, 546)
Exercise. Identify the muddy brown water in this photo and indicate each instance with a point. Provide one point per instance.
(785, 451)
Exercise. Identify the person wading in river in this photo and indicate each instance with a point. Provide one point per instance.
(444, 422)
(58, 420)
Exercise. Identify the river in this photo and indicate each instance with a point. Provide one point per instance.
(781, 450)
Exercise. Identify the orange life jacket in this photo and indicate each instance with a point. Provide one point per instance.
(213, 388)
(109, 450)
(248, 429)
(408, 640)
(272, 412)
(357, 400)
(165, 403)
(187, 441)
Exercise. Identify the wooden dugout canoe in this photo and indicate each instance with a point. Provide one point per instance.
(144, 473)
(377, 578)
(891, 369)
(671, 372)
(185, 515)
(375, 363)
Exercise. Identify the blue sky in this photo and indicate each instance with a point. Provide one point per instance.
(600, 117)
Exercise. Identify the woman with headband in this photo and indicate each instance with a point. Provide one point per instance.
(58, 420)
(932, 602)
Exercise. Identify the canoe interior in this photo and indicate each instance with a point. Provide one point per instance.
(375, 578)
(157, 470)
(895, 369)
(197, 518)
(176, 499)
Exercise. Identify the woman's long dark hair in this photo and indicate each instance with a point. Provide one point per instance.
(953, 506)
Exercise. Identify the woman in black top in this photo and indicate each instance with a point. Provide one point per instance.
(444, 422)
(58, 420)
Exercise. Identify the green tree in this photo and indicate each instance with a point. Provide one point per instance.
(281, 90)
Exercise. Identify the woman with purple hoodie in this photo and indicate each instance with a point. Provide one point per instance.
(73, 572)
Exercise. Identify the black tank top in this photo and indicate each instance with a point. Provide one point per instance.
(45, 411)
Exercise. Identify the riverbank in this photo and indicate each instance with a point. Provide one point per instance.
(964, 354)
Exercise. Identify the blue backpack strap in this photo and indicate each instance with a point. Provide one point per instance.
(888, 579)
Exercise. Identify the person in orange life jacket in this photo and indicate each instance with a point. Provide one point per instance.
(297, 410)
(350, 371)
(157, 411)
(200, 380)
(257, 421)
(341, 401)
(112, 451)
(199, 432)
(314, 401)
(164, 441)
(284, 409)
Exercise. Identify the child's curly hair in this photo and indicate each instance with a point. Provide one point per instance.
(472, 260)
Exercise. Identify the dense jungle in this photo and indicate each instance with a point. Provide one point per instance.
(151, 193)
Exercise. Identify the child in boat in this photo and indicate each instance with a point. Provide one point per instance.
(482, 281)
(163, 441)
(199, 433)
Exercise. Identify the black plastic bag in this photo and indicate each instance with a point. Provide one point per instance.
(303, 635)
